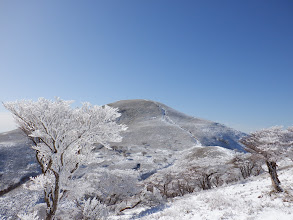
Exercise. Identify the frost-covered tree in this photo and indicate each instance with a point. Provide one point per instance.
(288, 139)
(248, 164)
(64, 138)
(270, 144)
(196, 169)
(112, 186)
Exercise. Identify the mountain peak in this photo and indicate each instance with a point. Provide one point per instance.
(163, 127)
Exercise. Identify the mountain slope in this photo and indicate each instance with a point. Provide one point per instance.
(250, 199)
(161, 127)
(156, 135)
(17, 160)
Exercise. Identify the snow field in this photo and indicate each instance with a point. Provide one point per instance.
(252, 199)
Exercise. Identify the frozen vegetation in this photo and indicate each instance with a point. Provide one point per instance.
(166, 165)
(252, 198)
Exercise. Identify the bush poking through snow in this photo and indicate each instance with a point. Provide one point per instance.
(30, 216)
(93, 209)
(248, 164)
(152, 197)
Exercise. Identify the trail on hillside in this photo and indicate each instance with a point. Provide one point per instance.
(167, 119)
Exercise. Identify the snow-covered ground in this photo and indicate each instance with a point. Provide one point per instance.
(159, 139)
(251, 199)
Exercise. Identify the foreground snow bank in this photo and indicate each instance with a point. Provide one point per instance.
(250, 199)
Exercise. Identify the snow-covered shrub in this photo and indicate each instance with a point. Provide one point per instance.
(164, 182)
(248, 164)
(147, 197)
(112, 187)
(288, 149)
(151, 197)
(197, 169)
(93, 209)
(30, 216)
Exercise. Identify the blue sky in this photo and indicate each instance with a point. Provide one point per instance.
(223, 60)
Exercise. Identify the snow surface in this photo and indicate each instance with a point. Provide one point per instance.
(162, 127)
(156, 138)
(251, 199)
(17, 159)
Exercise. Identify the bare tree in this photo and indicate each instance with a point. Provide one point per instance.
(289, 143)
(270, 144)
(248, 164)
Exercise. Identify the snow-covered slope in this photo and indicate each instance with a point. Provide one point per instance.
(250, 199)
(158, 126)
(17, 160)
(159, 140)
(155, 136)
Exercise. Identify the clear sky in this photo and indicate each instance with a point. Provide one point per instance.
(223, 60)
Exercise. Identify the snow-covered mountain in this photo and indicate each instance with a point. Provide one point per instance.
(155, 137)
(159, 142)
(158, 126)
(157, 134)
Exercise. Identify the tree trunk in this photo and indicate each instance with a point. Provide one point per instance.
(272, 167)
(54, 200)
(205, 181)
